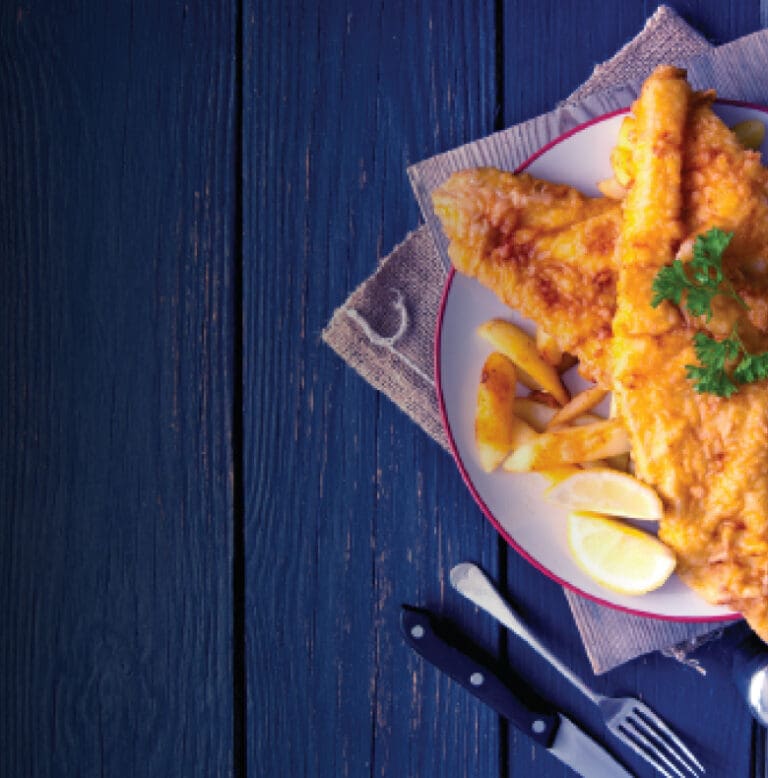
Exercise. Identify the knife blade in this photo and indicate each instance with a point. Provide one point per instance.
(552, 730)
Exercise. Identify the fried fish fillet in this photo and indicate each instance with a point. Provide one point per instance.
(707, 456)
(545, 249)
(724, 186)
(548, 251)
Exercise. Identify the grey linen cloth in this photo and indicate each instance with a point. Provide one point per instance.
(385, 329)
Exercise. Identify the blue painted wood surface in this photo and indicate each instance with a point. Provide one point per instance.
(369, 512)
(207, 522)
(117, 193)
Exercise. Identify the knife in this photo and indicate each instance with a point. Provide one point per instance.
(560, 736)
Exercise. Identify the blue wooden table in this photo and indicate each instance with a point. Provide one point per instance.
(207, 522)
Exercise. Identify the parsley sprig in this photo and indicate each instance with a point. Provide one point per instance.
(753, 367)
(701, 279)
(711, 375)
(723, 364)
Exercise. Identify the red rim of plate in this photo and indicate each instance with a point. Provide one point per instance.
(455, 452)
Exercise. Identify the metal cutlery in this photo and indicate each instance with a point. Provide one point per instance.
(749, 669)
(560, 736)
(629, 719)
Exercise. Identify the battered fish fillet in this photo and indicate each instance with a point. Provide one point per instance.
(545, 249)
(725, 186)
(707, 456)
(548, 251)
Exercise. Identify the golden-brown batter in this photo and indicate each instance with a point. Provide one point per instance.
(582, 269)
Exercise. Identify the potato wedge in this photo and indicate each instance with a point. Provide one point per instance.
(544, 398)
(521, 349)
(569, 445)
(497, 430)
(566, 363)
(535, 414)
(578, 406)
(587, 418)
(538, 415)
(528, 381)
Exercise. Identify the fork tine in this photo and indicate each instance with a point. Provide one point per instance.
(641, 745)
(663, 747)
(652, 719)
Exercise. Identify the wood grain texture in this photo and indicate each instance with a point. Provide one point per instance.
(166, 168)
(350, 510)
(342, 104)
(116, 205)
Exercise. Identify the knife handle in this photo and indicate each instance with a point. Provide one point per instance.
(419, 631)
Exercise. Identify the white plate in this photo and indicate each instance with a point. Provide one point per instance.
(514, 502)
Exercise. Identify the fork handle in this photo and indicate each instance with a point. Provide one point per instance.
(473, 584)
(513, 622)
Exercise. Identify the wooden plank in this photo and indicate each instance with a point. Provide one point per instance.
(551, 49)
(532, 85)
(719, 22)
(350, 510)
(117, 193)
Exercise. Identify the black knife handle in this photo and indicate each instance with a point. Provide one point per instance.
(419, 631)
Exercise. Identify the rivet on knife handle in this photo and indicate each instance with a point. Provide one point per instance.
(419, 632)
(554, 731)
(627, 718)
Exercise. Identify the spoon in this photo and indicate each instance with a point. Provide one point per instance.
(749, 669)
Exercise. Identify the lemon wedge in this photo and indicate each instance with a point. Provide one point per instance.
(617, 556)
(602, 490)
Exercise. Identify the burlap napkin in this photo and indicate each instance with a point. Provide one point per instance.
(385, 330)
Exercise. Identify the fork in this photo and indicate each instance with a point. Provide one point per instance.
(627, 718)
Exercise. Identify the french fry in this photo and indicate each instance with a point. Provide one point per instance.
(578, 406)
(535, 414)
(521, 349)
(544, 398)
(528, 381)
(548, 348)
(587, 418)
(497, 430)
(538, 415)
(569, 445)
